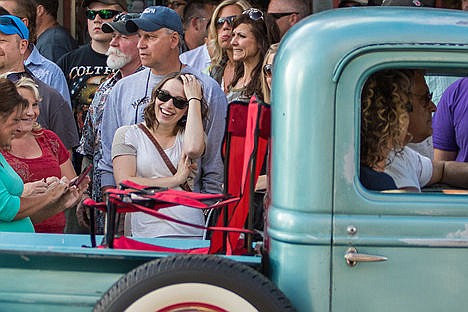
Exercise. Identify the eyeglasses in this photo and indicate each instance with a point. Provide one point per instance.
(427, 97)
(280, 15)
(254, 14)
(268, 69)
(104, 14)
(6, 21)
(164, 96)
(228, 19)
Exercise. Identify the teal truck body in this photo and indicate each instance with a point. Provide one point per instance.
(321, 222)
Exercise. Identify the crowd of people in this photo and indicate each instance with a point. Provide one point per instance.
(145, 100)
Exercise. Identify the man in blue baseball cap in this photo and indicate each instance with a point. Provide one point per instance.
(156, 17)
(10, 25)
(160, 31)
(56, 114)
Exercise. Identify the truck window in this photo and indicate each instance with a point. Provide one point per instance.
(399, 148)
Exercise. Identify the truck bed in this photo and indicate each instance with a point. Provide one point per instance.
(54, 272)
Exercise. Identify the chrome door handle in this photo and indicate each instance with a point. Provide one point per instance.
(352, 257)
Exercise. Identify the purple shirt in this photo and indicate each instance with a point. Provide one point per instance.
(450, 122)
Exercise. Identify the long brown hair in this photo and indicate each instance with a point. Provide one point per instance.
(266, 33)
(149, 111)
(10, 99)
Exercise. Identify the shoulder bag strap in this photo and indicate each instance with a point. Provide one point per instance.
(164, 156)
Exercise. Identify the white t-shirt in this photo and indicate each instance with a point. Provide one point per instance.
(198, 58)
(131, 140)
(408, 168)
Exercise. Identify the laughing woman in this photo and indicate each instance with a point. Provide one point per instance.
(38, 155)
(253, 33)
(16, 212)
(174, 121)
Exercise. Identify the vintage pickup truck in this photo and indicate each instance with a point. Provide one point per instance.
(332, 245)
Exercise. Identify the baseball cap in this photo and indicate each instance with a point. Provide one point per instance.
(154, 18)
(10, 25)
(118, 24)
(122, 3)
(411, 3)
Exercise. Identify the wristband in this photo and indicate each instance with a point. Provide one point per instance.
(194, 98)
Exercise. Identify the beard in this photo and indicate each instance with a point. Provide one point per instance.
(116, 59)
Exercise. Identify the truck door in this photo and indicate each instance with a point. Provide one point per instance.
(405, 251)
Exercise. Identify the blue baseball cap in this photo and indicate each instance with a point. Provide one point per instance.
(11, 25)
(154, 18)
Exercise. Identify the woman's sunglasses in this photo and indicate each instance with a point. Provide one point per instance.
(228, 19)
(164, 96)
(104, 14)
(268, 69)
(254, 14)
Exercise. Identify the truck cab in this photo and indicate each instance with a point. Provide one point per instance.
(321, 215)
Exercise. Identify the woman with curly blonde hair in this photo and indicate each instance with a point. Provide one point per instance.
(385, 104)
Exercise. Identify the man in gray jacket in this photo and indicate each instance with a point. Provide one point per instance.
(160, 30)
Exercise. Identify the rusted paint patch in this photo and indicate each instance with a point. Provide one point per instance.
(436, 242)
(459, 234)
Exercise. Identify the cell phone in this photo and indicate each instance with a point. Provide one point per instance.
(82, 175)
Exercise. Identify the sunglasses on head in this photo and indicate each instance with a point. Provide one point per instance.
(228, 19)
(6, 21)
(254, 14)
(104, 14)
(164, 96)
(268, 69)
(15, 77)
(123, 17)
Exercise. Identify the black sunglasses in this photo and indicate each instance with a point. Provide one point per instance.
(228, 19)
(104, 14)
(254, 14)
(15, 77)
(268, 69)
(280, 15)
(164, 96)
(5, 20)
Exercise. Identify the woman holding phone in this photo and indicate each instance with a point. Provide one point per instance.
(174, 122)
(38, 155)
(17, 211)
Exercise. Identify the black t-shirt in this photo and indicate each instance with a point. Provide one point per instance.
(84, 69)
(376, 181)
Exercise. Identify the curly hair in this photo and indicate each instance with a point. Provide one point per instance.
(149, 111)
(385, 102)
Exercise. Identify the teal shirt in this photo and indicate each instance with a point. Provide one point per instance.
(11, 188)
